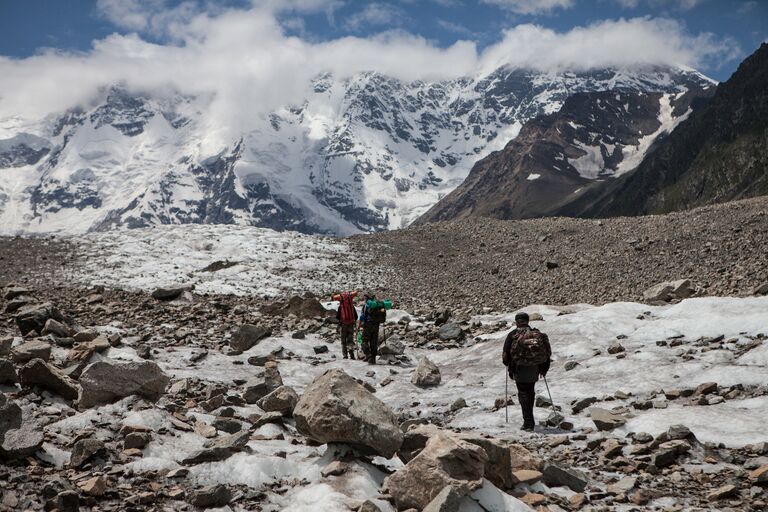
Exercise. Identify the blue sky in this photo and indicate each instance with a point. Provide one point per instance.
(28, 27)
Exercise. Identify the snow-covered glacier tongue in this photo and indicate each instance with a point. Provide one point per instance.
(363, 153)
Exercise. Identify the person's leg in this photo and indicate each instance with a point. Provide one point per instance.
(366, 336)
(373, 341)
(344, 340)
(526, 396)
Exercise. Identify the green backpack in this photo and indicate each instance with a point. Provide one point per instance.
(376, 311)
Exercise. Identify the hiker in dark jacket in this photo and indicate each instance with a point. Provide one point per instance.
(369, 322)
(346, 315)
(526, 355)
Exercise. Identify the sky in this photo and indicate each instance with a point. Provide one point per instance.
(56, 53)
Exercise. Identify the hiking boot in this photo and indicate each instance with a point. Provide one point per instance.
(527, 428)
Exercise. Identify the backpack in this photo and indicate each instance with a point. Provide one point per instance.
(346, 309)
(529, 347)
(375, 311)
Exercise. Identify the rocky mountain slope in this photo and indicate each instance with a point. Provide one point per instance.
(594, 137)
(719, 154)
(365, 153)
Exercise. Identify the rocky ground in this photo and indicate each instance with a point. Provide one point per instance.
(176, 399)
(511, 264)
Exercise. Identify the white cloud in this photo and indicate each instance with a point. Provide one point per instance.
(378, 15)
(246, 63)
(531, 6)
(679, 4)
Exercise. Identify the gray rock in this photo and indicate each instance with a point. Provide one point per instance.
(447, 500)
(444, 461)
(554, 419)
(679, 432)
(706, 388)
(605, 419)
(282, 400)
(7, 372)
(34, 316)
(136, 440)
(761, 290)
(570, 365)
(615, 348)
(15, 291)
(68, 501)
(58, 329)
(369, 506)
(171, 292)
(557, 475)
(263, 383)
(582, 404)
(5, 346)
(33, 349)
(669, 290)
(218, 449)
(19, 437)
(426, 374)
(450, 332)
(104, 383)
(248, 335)
(337, 409)
(211, 497)
(84, 449)
(392, 346)
(39, 373)
(320, 349)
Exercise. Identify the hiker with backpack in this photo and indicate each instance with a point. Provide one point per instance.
(374, 313)
(526, 355)
(346, 315)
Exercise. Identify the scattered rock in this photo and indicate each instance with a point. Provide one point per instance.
(211, 497)
(33, 349)
(171, 293)
(558, 475)
(605, 419)
(337, 409)
(447, 500)
(218, 449)
(426, 374)
(84, 449)
(95, 486)
(615, 347)
(263, 383)
(669, 290)
(34, 316)
(282, 400)
(7, 372)
(39, 373)
(450, 332)
(392, 346)
(335, 468)
(104, 383)
(248, 335)
(726, 491)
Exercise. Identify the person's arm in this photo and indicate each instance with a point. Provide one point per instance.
(544, 367)
(507, 346)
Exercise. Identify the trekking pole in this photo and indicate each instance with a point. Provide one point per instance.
(506, 397)
(550, 394)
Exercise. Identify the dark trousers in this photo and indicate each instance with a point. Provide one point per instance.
(526, 395)
(348, 340)
(370, 341)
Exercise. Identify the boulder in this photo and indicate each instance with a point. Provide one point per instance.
(5, 346)
(248, 335)
(84, 449)
(15, 291)
(335, 408)
(7, 372)
(282, 400)
(34, 316)
(415, 439)
(263, 383)
(211, 497)
(426, 374)
(615, 348)
(706, 388)
(104, 383)
(450, 332)
(218, 449)
(499, 465)
(392, 346)
(15, 304)
(557, 475)
(605, 419)
(171, 292)
(761, 289)
(58, 329)
(447, 500)
(19, 438)
(32, 349)
(670, 290)
(39, 373)
(444, 461)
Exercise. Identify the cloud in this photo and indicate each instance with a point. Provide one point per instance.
(377, 15)
(246, 64)
(679, 4)
(455, 28)
(531, 6)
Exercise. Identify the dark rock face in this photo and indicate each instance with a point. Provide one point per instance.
(716, 155)
(557, 155)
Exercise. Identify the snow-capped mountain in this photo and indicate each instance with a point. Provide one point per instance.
(364, 153)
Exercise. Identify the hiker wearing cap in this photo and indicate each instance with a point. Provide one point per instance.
(346, 315)
(372, 315)
(527, 356)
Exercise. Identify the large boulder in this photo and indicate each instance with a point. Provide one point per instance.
(58, 329)
(557, 475)
(39, 373)
(426, 374)
(247, 335)
(263, 383)
(392, 346)
(450, 332)
(7, 372)
(335, 408)
(104, 383)
(34, 316)
(444, 461)
(18, 438)
(669, 290)
(282, 400)
(32, 349)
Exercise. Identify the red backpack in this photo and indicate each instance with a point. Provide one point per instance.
(346, 309)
